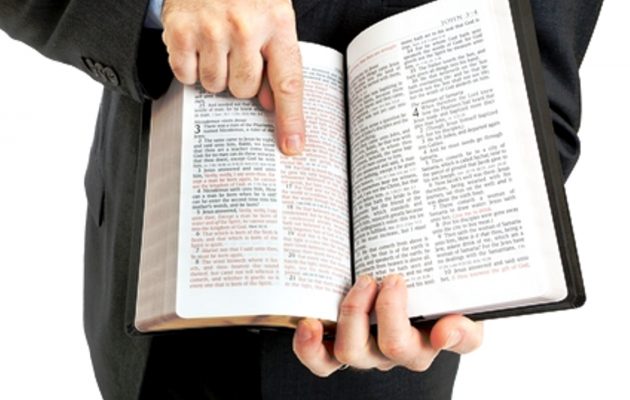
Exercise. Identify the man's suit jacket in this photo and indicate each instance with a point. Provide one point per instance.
(105, 39)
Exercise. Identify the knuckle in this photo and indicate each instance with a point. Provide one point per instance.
(290, 118)
(247, 74)
(212, 81)
(350, 307)
(384, 304)
(211, 32)
(181, 40)
(347, 355)
(242, 30)
(245, 78)
(208, 77)
(290, 86)
(393, 348)
(284, 16)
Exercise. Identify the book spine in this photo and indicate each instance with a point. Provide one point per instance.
(533, 73)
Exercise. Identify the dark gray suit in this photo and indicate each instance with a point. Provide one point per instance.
(106, 40)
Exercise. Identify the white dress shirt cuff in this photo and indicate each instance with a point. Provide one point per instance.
(154, 12)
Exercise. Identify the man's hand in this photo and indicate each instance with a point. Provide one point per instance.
(247, 46)
(397, 342)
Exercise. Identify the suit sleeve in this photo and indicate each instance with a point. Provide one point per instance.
(105, 39)
(564, 29)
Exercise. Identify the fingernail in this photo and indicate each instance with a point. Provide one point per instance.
(363, 281)
(304, 332)
(390, 281)
(453, 339)
(293, 144)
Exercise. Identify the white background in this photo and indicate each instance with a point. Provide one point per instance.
(47, 115)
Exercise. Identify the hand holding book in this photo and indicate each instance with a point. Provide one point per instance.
(397, 342)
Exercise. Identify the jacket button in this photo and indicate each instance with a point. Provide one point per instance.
(89, 64)
(101, 73)
(111, 76)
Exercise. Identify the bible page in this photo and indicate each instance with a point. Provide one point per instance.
(447, 184)
(262, 233)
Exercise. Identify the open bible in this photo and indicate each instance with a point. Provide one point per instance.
(447, 174)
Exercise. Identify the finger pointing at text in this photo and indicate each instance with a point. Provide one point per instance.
(247, 46)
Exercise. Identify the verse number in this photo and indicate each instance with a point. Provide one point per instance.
(197, 128)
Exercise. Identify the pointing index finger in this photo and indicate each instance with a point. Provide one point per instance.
(284, 71)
